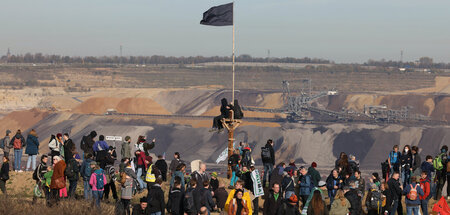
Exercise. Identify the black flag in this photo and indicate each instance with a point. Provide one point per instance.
(221, 15)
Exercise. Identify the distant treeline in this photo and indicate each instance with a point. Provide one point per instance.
(423, 62)
(155, 59)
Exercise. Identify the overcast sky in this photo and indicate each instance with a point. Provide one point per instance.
(339, 30)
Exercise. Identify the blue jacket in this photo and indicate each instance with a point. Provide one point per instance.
(179, 174)
(103, 145)
(331, 182)
(419, 192)
(305, 185)
(32, 145)
(428, 168)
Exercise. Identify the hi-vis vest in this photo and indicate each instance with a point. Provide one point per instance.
(150, 177)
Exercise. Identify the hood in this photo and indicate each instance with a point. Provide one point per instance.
(33, 133)
(93, 134)
(224, 102)
(236, 103)
(18, 136)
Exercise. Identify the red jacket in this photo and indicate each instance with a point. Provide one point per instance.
(425, 185)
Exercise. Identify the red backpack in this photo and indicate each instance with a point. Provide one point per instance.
(17, 143)
(412, 195)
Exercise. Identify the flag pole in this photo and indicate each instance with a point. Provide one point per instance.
(233, 60)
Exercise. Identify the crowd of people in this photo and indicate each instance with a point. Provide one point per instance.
(289, 188)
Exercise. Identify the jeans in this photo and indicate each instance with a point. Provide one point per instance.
(31, 158)
(97, 196)
(394, 207)
(139, 178)
(156, 213)
(268, 168)
(17, 159)
(424, 206)
(87, 190)
(406, 176)
(72, 188)
(234, 178)
(412, 209)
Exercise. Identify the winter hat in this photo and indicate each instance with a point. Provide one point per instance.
(314, 164)
(59, 135)
(8, 132)
(143, 199)
(214, 174)
(293, 198)
(322, 183)
(127, 138)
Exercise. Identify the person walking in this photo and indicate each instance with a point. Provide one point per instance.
(6, 144)
(18, 142)
(268, 159)
(4, 174)
(32, 149)
(97, 182)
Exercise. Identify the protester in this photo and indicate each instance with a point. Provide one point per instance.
(125, 150)
(273, 200)
(6, 144)
(238, 114)
(87, 143)
(268, 159)
(32, 149)
(214, 182)
(234, 162)
(141, 208)
(221, 195)
(162, 166)
(175, 162)
(406, 164)
(305, 185)
(86, 171)
(72, 173)
(69, 147)
(246, 156)
(427, 166)
(333, 184)
(440, 165)
(155, 198)
(341, 206)
(341, 156)
(314, 174)
(180, 170)
(352, 196)
(246, 196)
(38, 176)
(189, 198)
(425, 184)
(394, 160)
(18, 142)
(58, 181)
(289, 207)
(175, 202)
(142, 163)
(4, 174)
(396, 191)
(374, 201)
(97, 182)
(238, 205)
(317, 206)
(224, 114)
(100, 149)
(412, 200)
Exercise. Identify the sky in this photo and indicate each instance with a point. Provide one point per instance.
(345, 31)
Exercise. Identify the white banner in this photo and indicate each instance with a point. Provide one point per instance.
(257, 185)
(224, 155)
(110, 138)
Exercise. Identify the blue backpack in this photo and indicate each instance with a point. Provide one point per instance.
(87, 170)
(100, 182)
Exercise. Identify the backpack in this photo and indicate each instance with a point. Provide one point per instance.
(87, 170)
(35, 173)
(188, 202)
(17, 143)
(246, 158)
(70, 172)
(375, 201)
(2, 143)
(412, 195)
(100, 182)
(265, 153)
(437, 161)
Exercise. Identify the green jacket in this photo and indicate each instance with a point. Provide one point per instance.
(126, 150)
(315, 176)
(338, 209)
(48, 178)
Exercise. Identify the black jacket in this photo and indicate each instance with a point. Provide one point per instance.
(175, 202)
(271, 205)
(69, 147)
(406, 160)
(162, 166)
(288, 209)
(4, 172)
(355, 202)
(214, 184)
(221, 196)
(389, 199)
(394, 187)
(416, 161)
(137, 210)
(156, 200)
(202, 198)
(272, 154)
(87, 142)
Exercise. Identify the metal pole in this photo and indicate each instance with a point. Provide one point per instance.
(233, 56)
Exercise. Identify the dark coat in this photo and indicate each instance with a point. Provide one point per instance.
(406, 160)
(355, 201)
(69, 147)
(221, 196)
(417, 161)
(288, 209)
(4, 172)
(394, 187)
(162, 166)
(32, 145)
(137, 210)
(202, 198)
(272, 154)
(389, 200)
(214, 184)
(275, 177)
(156, 200)
(87, 144)
(173, 165)
(175, 202)
(315, 176)
(271, 205)
(331, 182)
